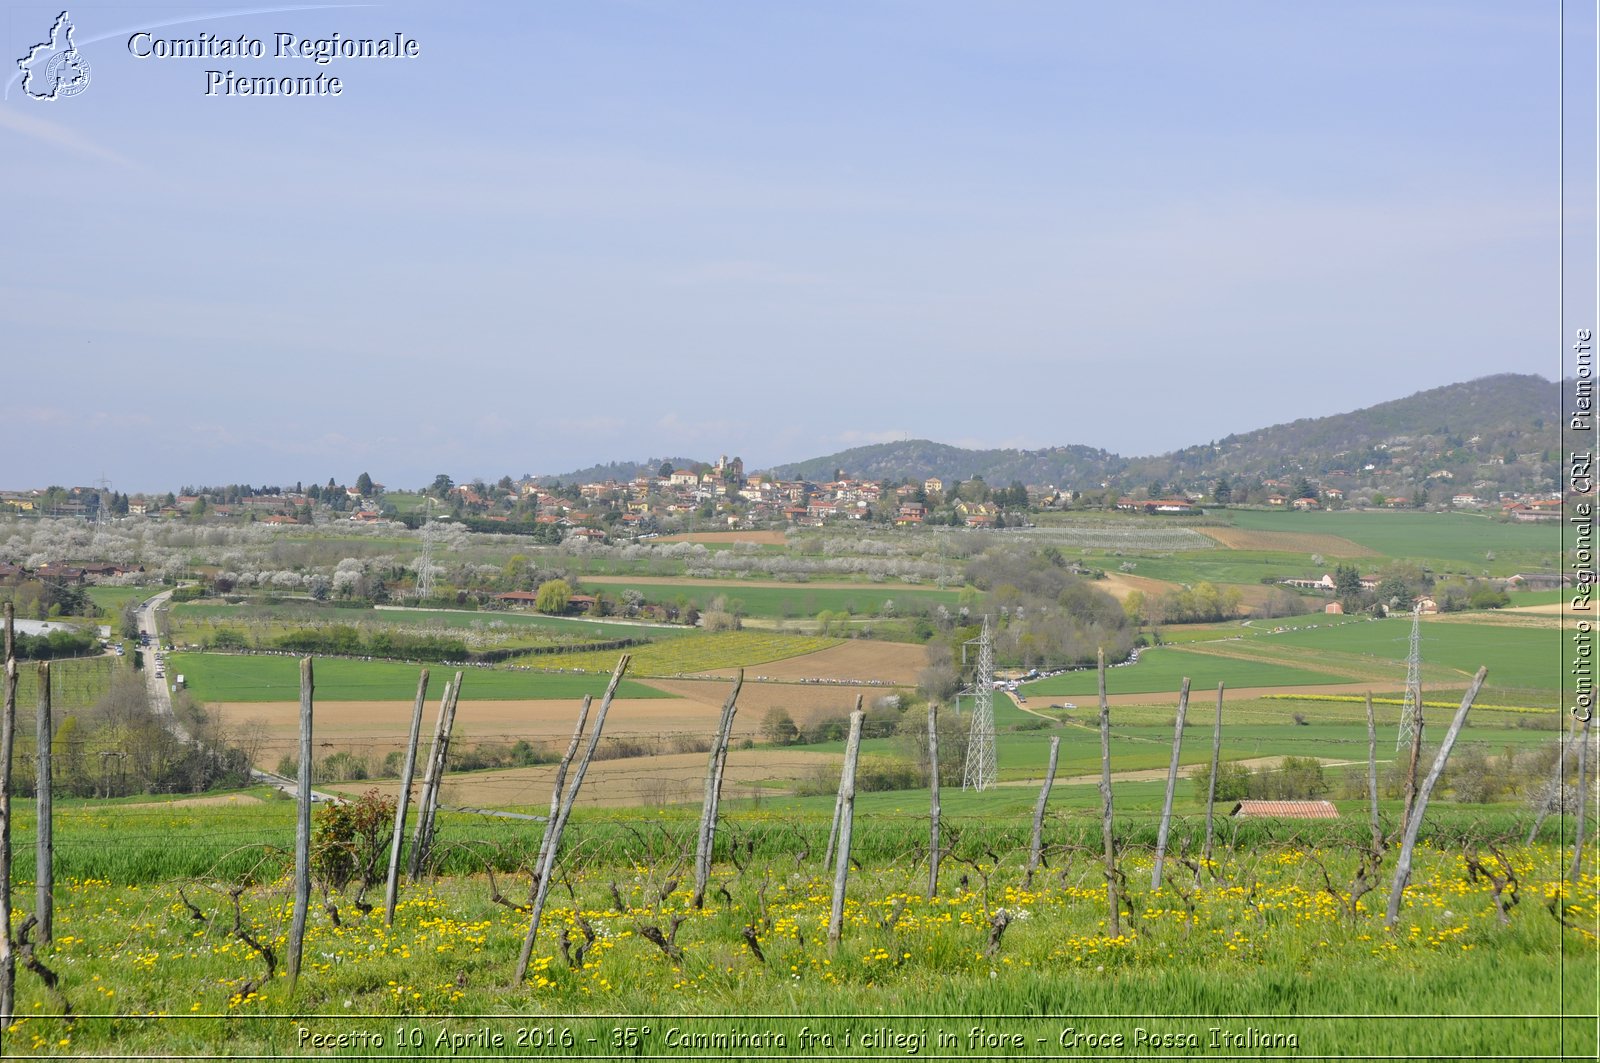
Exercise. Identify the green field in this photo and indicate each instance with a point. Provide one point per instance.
(232, 678)
(533, 628)
(1517, 658)
(1246, 568)
(1447, 541)
(112, 599)
(699, 652)
(1162, 668)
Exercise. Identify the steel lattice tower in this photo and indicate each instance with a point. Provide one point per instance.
(1411, 710)
(425, 566)
(981, 768)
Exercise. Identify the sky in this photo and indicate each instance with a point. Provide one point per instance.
(574, 232)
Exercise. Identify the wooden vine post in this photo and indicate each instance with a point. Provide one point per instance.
(1115, 923)
(933, 799)
(1402, 871)
(8, 732)
(438, 759)
(302, 831)
(838, 813)
(1172, 785)
(551, 846)
(414, 862)
(1211, 790)
(1036, 846)
(718, 760)
(557, 791)
(847, 805)
(44, 802)
(1415, 759)
(1557, 784)
(402, 803)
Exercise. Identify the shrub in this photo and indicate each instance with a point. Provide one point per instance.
(350, 840)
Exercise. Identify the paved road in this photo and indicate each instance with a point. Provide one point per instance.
(157, 683)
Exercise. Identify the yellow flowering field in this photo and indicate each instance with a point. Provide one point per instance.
(1264, 936)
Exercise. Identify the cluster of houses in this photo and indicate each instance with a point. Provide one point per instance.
(735, 498)
(62, 572)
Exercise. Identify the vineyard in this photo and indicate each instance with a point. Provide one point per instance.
(171, 956)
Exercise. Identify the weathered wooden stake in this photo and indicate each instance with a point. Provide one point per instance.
(708, 812)
(847, 793)
(414, 862)
(1402, 871)
(1372, 776)
(838, 813)
(557, 790)
(1036, 847)
(1416, 757)
(8, 732)
(429, 812)
(1583, 797)
(1115, 923)
(44, 802)
(933, 799)
(1211, 791)
(557, 825)
(391, 891)
(1172, 785)
(302, 831)
(1557, 784)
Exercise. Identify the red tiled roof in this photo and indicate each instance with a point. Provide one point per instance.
(1287, 809)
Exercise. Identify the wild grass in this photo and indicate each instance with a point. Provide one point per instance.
(1260, 941)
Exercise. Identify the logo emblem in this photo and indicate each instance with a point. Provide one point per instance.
(55, 69)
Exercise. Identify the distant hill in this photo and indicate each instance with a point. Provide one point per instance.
(918, 459)
(1502, 429)
(620, 471)
(1457, 425)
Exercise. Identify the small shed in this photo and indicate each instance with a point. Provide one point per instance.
(1284, 810)
(1333, 609)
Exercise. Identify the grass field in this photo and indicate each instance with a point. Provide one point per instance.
(1258, 942)
(112, 599)
(1517, 658)
(1448, 541)
(239, 678)
(700, 652)
(199, 622)
(1162, 668)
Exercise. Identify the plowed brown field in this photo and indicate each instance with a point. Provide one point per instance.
(374, 728)
(656, 780)
(1287, 542)
(804, 702)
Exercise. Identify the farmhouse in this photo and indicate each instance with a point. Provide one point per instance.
(1284, 810)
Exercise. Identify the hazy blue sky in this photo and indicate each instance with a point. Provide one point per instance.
(618, 229)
